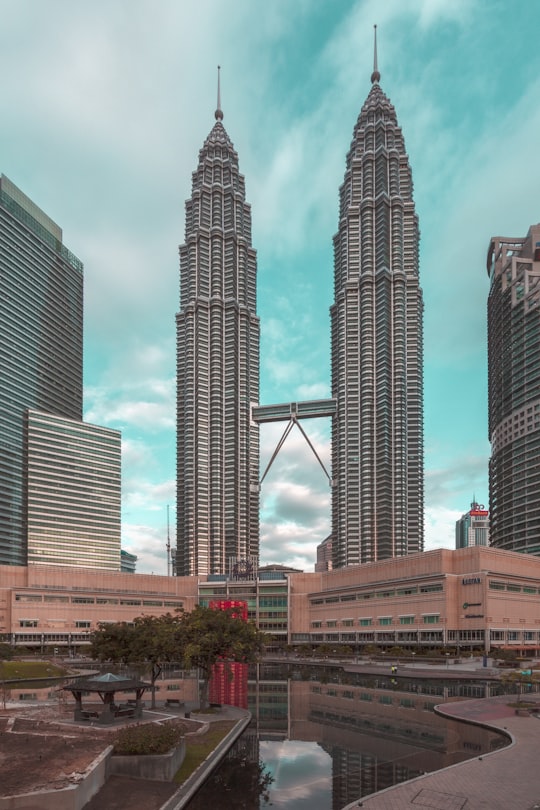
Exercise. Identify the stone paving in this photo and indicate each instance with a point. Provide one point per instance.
(507, 779)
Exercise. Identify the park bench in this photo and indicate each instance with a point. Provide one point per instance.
(174, 702)
(125, 711)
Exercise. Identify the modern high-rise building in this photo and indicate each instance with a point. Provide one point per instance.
(217, 369)
(73, 486)
(472, 529)
(324, 555)
(41, 346)
(377, 375)
(513, 267)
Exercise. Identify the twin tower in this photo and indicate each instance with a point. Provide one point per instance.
(377, 378)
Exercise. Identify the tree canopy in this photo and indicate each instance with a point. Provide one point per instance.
(197, 639)
(149, 639)
(211, 635)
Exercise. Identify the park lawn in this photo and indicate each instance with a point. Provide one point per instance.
(199, 746)
(25, 670)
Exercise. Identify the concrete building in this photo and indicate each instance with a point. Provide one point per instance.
(513, 267)
(472, 529)
(41, 332)
(377, 374)
(217, 369)
(475, 598)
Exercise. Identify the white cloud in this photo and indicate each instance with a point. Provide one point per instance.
(440, 527)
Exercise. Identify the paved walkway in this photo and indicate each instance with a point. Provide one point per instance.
(508, 779)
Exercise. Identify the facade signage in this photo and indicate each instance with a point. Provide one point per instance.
(471, 581)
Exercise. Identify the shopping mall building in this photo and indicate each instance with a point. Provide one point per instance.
(470, 598)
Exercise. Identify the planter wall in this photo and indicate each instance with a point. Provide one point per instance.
(160, 767)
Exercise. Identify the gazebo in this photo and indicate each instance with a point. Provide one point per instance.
(106, 686)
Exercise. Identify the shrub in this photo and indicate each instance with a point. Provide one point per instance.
(147, 739)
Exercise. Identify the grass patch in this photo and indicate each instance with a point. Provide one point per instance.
(200, 746)
(148, 739)
(23, 670)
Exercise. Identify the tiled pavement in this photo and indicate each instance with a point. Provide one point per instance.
(508, 779)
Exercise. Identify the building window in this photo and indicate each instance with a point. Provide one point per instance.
(406, 619)
(385, 620)
(27, 597)
(82, 624)
(496, 586)
(431, 588)
(433, 618)
(364, 622)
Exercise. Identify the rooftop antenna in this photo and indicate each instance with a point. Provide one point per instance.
(219, 112)
(375, 76)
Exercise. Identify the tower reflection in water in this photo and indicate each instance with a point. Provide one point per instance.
(321, 738)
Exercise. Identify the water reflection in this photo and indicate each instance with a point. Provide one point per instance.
(327, 739)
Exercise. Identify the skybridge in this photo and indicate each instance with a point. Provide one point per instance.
(292, 413)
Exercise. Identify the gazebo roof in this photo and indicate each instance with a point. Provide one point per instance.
(107, 683)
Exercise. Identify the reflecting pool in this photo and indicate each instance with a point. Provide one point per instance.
(321, 738)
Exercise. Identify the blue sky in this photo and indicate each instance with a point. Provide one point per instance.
(104, 105)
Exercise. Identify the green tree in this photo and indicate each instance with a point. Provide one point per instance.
(150, 640)
(209, 636)
(6, 651)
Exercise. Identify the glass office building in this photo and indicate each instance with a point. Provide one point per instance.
(513, 266)
(73, 492)
(41, 345)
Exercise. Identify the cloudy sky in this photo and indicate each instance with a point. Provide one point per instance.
(104, 105)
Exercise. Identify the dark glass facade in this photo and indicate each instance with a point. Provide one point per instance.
(41, 334)
(514, 391)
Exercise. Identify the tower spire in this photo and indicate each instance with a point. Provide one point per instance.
(375, 76)
(219, 112)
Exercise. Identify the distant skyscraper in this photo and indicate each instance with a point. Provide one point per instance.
(41, 333)
(73, 492)
(217, 368)
(514, 391)
(472, 529)
(377, 380)
(324, 555)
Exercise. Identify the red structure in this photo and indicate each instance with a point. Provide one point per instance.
(229, 681)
